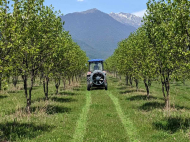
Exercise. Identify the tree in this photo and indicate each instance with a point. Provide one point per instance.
(160, 23)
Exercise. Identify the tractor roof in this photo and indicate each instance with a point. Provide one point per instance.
(96, 60)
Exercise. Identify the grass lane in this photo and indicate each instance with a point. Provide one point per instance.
(81, 123)
(131, 132)
(103, 123)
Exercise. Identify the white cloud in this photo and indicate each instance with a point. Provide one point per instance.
(80, 0)
(140, 13)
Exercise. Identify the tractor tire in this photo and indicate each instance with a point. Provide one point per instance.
(106, 87)
(88, 87)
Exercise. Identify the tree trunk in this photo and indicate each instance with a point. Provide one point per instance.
(28, 100)
(41, 77)
(167, 86)
(76, 78)
(15, 80)
(64, 83)
(147, 88)
(46, 88)
(131, 81)
(57, 84)
(72, 78)
(137, 84)
(24, 77)
(69, 81)
(149, 83)
(0, 82)
(163, 84)
(30, 92)
(57, 88)
(127, 80)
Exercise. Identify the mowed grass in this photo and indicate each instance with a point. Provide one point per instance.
(103, 123)
(119, 114)
(52, 120)
(149, 117)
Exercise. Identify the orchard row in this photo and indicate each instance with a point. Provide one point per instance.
(34, 44)
(159, 50)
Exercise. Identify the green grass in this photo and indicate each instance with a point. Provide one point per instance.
(81, 124)
(103, 123)
(131, 131)
(149, 116)
(119, 114)
(52, 120)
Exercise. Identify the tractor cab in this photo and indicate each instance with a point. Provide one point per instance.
(95, 64)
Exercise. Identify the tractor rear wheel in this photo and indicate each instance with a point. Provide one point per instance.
(106, 87)
(88, 87)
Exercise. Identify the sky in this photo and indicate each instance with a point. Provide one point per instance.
(136, 7)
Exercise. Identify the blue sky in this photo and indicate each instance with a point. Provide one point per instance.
(136, 7)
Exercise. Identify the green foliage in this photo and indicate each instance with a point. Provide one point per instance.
(34, 42)
(160, 48)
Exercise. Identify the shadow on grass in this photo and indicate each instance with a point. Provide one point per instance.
(156, 105)
(74, 88)
(78, 89)
(63, 100)
(142, 97)
(181, 107)
(113, 79)
(131, 91)
(152, 105)
(172, 125)
(97, 88)
(2, 97)
(123, 87)
(186, 98)
(187, 88)
(14, 131)
(38, 100)
(177, 84)
(33, 88)
(67, 93)
(50, 109)
(14, 91)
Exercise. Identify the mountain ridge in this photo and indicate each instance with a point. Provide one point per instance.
(97, 30)
(127, 18)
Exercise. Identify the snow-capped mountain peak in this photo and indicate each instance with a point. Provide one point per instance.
(127, 19)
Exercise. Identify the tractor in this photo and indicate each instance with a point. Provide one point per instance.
(96, 76)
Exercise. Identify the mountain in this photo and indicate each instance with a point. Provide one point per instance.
(90, 51)
(98, 30)
(127, 19)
